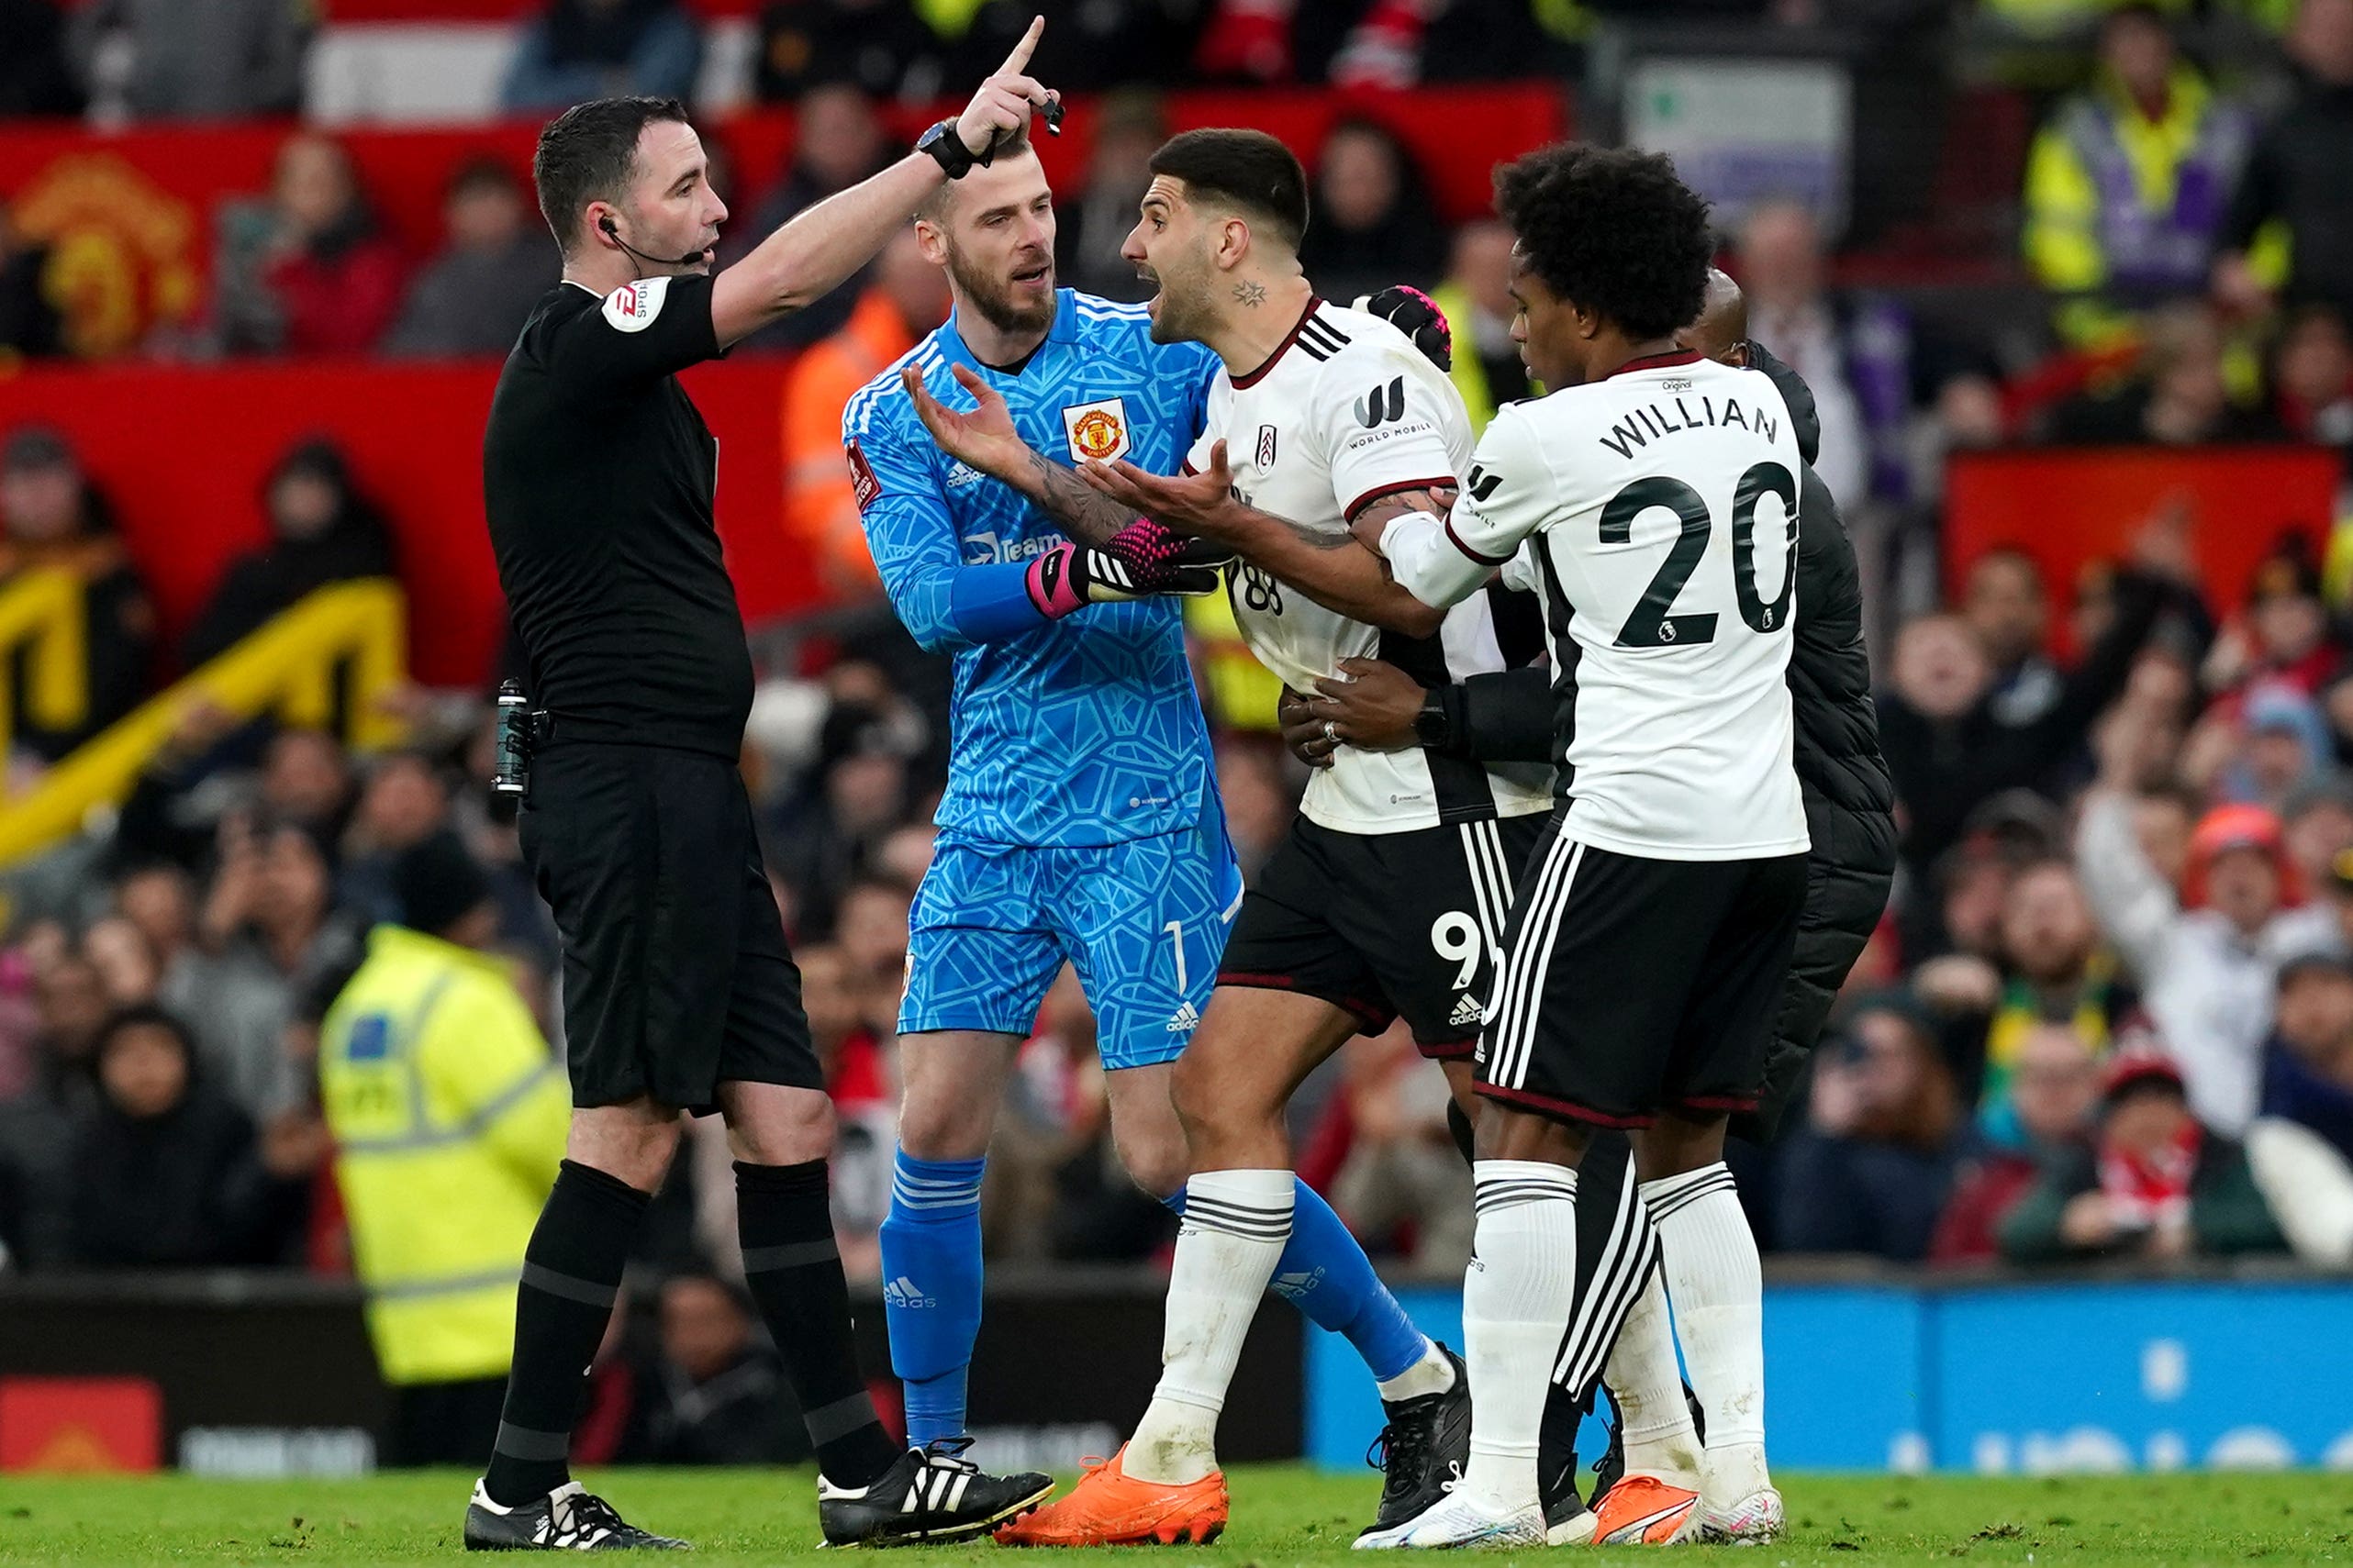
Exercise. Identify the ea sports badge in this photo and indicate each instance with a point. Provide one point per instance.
(632, 306)
(1098, 430)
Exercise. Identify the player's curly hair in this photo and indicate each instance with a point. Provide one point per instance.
(1612, 229)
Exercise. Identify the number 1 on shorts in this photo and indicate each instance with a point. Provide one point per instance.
(1175, 929)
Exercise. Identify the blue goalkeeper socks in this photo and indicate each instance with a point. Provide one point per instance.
(1324, 1272)
(930, 1264)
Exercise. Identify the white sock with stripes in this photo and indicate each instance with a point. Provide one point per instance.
(1516, 1299)
(1236, 1223)
(1643, 1378)
(1718, 1290)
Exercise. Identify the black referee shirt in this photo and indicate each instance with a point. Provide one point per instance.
(598, 474)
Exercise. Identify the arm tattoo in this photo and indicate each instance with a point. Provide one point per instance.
(1087, 513)
(1404, 504)
(1253, 295)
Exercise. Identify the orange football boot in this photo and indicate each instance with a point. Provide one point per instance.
(1642, 1510)
(1109, 1508)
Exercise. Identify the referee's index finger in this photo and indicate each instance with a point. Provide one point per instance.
(1022, 50)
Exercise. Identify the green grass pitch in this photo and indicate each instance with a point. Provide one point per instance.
(1282, 1516)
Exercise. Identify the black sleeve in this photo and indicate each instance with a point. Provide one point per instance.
(642, 331)
(1502, 717)
(1805, 420)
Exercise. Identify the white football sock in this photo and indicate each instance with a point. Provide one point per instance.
(1434, 1373)
(1516, 1299)
(1718, 1291)
(1643, 1378)
(1236, 1224)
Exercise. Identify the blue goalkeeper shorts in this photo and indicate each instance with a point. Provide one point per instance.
(1143, 923)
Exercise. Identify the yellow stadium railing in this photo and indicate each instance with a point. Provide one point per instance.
(350, 641)
(45, 613)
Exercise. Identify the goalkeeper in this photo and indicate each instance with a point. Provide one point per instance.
(1081, 822)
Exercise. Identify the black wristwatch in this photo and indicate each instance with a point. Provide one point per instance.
(948, 150)
(1433, 726)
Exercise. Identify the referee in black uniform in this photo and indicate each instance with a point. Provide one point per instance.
(679, 995)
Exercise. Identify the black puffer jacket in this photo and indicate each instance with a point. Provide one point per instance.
(1849, 798)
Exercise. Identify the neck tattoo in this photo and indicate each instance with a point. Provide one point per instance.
(1252, 295)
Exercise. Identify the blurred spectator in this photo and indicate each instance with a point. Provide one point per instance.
(176, 809)
(856, 796)
(579, 49)
(1477, 298)
(404, 802)
(167, 1172)
(2009, 608)
(55, 1094)
(1403, 1187)
(449, 1117)
(907, 298)
(837, 141)
(2177, 397)
(2205, 956)
(2155, 1184)
(1944, 745)
(171, 60)
(2300, 1148)
(2280, 643)
(35, 77)
(1375, 224)
(323, 530)
(273, 952)
(497, 262)
(2294, 191)
(1092, 223)
(870, 928)
(2311, 377)
(2054, 1090)
(880, 46)
(2128, 181)
(2054, 970)
(1884, 1132)
(1781, 267)
(2317, 827)
(31, 325)
(307, 269)
(714, 1393)
(57, 520)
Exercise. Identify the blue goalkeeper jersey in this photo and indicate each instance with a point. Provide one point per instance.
(1078, 732)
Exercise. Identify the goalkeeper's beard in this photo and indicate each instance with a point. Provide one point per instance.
(992, 296)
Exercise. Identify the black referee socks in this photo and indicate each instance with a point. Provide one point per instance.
(572, 1272)
(785, 1222)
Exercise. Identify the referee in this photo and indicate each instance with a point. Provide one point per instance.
(599, 476)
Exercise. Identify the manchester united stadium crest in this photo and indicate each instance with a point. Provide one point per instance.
(1098, 430)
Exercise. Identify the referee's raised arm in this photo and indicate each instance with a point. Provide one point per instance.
(818, 250)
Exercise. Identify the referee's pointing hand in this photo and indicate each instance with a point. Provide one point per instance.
(1006, 100)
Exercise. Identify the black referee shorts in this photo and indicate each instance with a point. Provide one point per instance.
(676, 975)
(1633, 986)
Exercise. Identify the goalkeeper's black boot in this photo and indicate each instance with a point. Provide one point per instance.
(1568, 1521)
(933, 1494)
(570, 1519)
(1423, 1449)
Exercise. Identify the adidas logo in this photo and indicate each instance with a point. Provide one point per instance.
(961, 475)
(905, 1292)
(1185, 1017)
(1467, 1010)
(1292, 1286)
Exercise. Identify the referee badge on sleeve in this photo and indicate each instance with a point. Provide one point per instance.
(632, 306)
(1098, 430)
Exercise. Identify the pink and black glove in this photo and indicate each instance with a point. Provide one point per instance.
(1141, 561)
(1417, 316)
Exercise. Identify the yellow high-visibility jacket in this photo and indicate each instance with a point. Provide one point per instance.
(450, 1116)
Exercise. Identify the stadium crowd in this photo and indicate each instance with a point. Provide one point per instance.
(2109, 1013)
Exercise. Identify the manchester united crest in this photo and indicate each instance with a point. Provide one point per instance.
(1098, 430)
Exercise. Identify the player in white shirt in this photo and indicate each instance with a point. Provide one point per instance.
(1656, 494)
(1387, 898)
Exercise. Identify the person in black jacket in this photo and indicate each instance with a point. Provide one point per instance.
(1849, 803)
(323, 530)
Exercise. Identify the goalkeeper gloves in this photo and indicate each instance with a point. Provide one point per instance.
(1141, 561)
(1417, 316)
